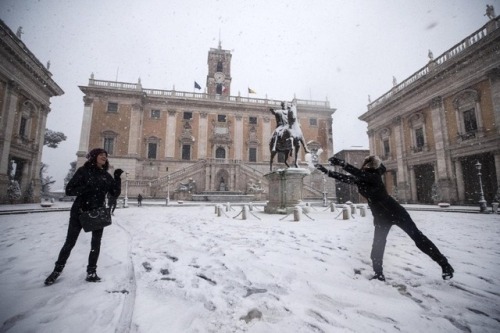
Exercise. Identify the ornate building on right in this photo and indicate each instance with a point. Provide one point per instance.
(436, 129)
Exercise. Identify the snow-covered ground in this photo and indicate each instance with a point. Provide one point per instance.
(184, 269)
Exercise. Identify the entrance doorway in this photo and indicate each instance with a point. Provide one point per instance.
(424, 178)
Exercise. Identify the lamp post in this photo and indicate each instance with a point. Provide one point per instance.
(325, 200)
(125, 201)
(168, 190)
(482, 202)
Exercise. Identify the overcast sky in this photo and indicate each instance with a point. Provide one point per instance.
(342, 51)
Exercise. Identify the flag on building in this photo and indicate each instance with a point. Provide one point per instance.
(196, 85)
(251, 91)
(224, 89)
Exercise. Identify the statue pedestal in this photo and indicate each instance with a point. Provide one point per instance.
(285, 190)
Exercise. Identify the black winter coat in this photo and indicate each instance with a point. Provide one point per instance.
(90, 185)
(370, 185)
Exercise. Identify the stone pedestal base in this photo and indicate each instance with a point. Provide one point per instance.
(285, 190)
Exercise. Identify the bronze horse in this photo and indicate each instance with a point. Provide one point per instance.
(287, 137)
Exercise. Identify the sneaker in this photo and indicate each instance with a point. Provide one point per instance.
(378, 276)
(52, 278)
(447, 271)
(92, 277)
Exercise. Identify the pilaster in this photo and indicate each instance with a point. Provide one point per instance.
(86, 124)
(170, 143)
(238, 138)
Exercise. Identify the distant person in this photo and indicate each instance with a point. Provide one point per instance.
(112, 201)
(90, 184)
(386, 212)
(139, 200)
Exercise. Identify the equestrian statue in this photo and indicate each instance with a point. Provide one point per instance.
(287, 136)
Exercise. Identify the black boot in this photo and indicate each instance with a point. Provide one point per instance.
(447, 271)
(54, 275)
(378, 276)
(92, 275)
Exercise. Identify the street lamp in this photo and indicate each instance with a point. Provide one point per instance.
(325, 200)
(482, 202)
(125, 201)
(168, 190)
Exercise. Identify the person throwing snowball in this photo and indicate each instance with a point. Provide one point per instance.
(386, 212)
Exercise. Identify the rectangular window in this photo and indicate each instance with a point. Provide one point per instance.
(221, 118)
(252, 120)
(152, 150)
(109, 145)
(187, 115)
(387, 148)
(22, 127)
(313, 122)
(112, 107)
(252, 154)
(186, 152)
(155, 114)
(419, 137)
(470, 123)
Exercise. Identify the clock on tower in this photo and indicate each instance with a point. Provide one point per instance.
(219, 72)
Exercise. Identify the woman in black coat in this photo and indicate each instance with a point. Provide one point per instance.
(89, 184)
(386, 212)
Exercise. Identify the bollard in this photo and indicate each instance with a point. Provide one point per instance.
(332, 207)
(244, 212)
(228, 207)
(353, 209)
(250, 206)
(219, 210)
(494, 207)
(216, 209)
(296, 213)
(362, 210)
(345, 213)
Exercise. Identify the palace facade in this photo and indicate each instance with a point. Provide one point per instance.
(26, 87)
(434, 129)
(179, 143)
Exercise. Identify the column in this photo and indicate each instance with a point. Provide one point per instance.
(413, 184)
(170, 135)
(494, 76)
(460, 181)
(438, 130)
(9, 115)
(497, 168)
(402, 177)
(202, 135)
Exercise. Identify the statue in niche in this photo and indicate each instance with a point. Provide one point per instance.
(287, 136)
(222, 185)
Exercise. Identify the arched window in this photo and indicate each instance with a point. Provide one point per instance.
(219, 66)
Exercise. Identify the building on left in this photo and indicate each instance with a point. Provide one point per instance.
(26, 86)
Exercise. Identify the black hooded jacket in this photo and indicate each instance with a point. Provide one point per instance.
(370, 185)
(90, 185)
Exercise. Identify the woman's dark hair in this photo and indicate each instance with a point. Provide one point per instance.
(92, 158)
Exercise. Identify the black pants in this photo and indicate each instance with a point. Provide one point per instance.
(74, 228)
(382, 228)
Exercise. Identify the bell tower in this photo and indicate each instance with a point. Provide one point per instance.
(219, 72)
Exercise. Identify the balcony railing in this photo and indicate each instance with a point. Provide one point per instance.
(137, 87)
(459, 48)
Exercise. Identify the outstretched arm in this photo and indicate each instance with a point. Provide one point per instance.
(339, 176)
